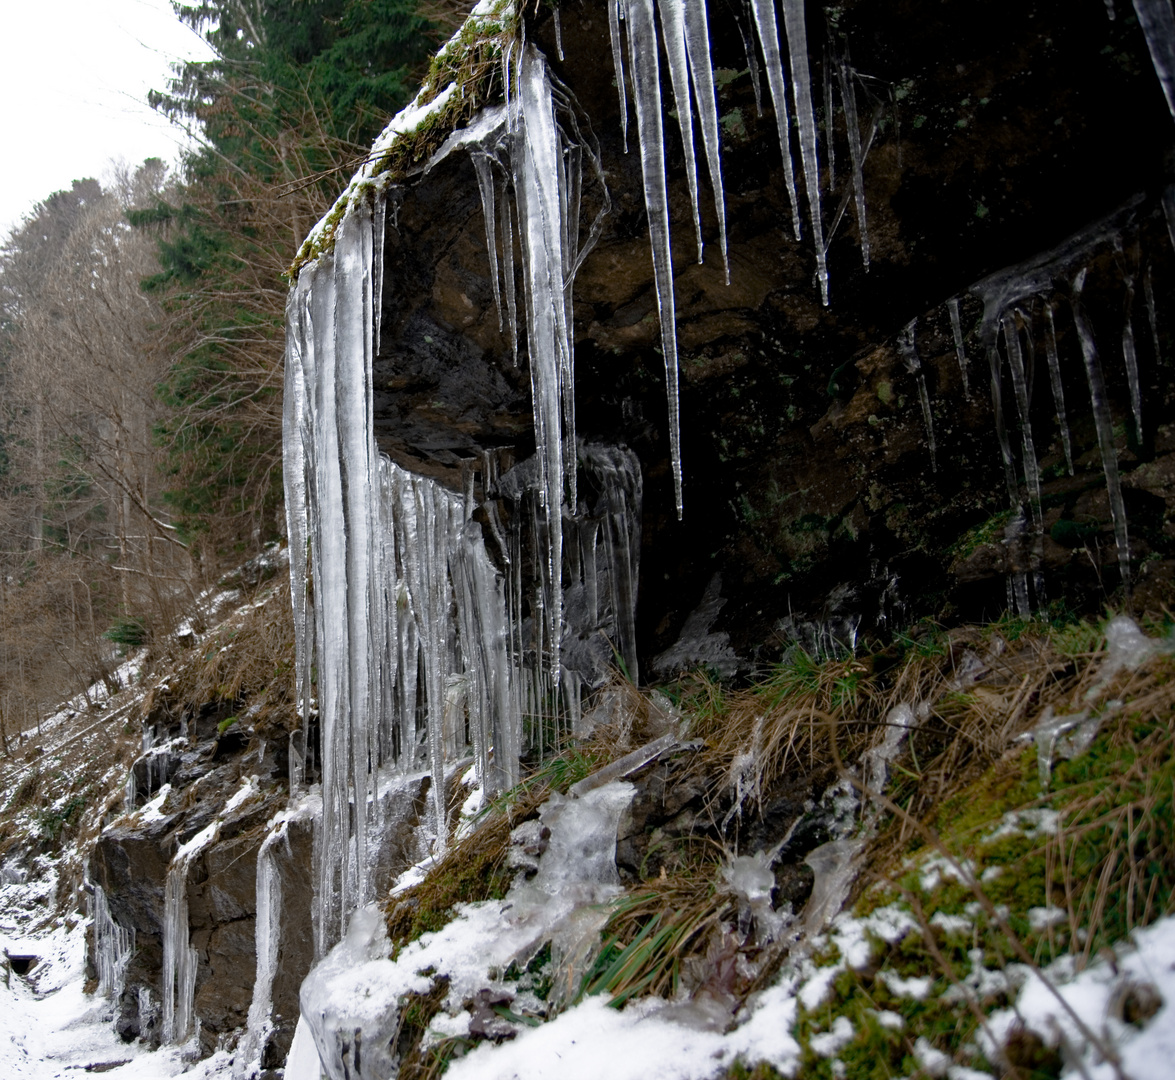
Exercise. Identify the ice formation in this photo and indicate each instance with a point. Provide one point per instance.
(960, 351)
(179, 958)
(908, 347)
(421, 648)
(267, 934)
(1158, 24)
(685, 37)
(352, 1000)
(113, 947)
(1009, 297)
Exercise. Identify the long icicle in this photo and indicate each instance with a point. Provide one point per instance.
(673, 35)
(829, 116)
(769, 39)
(614, 13)
(537, 188)
(485, 183)
(646, 83)
(697, 39)
(1104, 423)
(848, 94)
(1050, 350)
(752, 56)
(801, 78)
(960, 352)
(1023, 392)
(1158, 24)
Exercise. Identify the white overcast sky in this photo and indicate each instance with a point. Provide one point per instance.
(74, 76)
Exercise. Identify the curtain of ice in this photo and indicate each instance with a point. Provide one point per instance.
(113, 946)
(397, 604)
(179, 958)
(1007, 333)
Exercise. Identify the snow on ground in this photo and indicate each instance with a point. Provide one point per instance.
(50, 1028)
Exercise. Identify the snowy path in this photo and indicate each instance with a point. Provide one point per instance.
(50, 1028)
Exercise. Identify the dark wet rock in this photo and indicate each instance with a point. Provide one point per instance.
(812, 513)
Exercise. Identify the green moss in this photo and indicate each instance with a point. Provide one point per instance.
(472, 61)
(990, 531)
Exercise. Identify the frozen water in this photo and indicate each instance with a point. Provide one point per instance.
(615, 10)
(751, 879)
(697, 36)
(907, 346)
(179, 958)
(113, 947)
(960, 352)
(646, 86)
(351, 1001)
(835, 867)
(1158, 24)
(1050, 348)
(848, 92)
(1103, 421)
(673, 35)
(801, 80)
(898, 722)
(764, 11)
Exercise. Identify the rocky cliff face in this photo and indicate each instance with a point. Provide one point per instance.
(836, 481)
(911, 449)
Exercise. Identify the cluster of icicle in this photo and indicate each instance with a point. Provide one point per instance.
(377, 555)
(685, 37)
(414, 635)
(1022, 306)
(179, 958)
(113, 947)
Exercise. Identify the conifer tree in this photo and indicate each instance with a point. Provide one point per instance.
(282, 115)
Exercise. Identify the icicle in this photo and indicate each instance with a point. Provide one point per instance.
(797, 42)
(1021, 388)
(508, 267)
(1050, 349)
(539, 206)
(848, 94)
(179, 958)
(113, 947)
(1169, 211)
(769, 39)
(1158, 24)
(295, 436)
(1017, 578)
(485, 183)
(697, 37)
(673, 37)
(646, 82)
(1105, 428)
(615, 13)
(1130, 355)
(1148, 292)
(752, 56)
(829, 119)
(267, 938)
(907, 346)
(960, 353)
(558, 35)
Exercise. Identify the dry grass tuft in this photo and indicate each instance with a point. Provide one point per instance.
(248, 658)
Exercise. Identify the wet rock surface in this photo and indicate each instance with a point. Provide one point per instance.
(809, 485)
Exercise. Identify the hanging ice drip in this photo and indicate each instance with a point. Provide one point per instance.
(415, 646)
(1020, 303)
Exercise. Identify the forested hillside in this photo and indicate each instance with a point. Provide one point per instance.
(141, 336)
